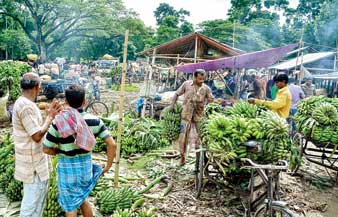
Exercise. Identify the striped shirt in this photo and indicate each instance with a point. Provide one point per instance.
(29, 158)
(67, 146)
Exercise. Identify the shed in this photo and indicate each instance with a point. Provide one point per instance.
(191, 48)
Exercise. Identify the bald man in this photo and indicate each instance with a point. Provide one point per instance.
(31, 164)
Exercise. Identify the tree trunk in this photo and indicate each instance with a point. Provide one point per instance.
(43, 51)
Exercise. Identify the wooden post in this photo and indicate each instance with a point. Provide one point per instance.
(120, 123)
(233, 34)
(196, 48)
(299, 49)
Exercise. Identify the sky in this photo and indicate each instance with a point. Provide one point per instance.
(200, 10)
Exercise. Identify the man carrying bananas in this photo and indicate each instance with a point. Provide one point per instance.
(282, 104)
(196, 95)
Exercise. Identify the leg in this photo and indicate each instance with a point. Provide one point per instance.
(86, 209)
(71, 214)
(183, 139)
(33, 198)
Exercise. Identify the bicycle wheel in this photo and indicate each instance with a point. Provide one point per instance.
(277, 211)
(97, 108)
(199, 171)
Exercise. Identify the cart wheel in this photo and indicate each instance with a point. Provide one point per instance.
(199, 168)
(97, 108)
(298, 140)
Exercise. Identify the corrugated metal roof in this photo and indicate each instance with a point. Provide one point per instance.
(307, 58)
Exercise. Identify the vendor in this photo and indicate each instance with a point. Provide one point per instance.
(196, 95)
(282, 104)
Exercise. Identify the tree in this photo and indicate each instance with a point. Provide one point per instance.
(49, 23)
(245, 38)
(325, 25)
(164, 10)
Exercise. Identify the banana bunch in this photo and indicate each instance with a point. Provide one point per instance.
(52, 207)
(122, 213)
(99, 146)
(6, 153)
(14, 190)
(218, 127)
(242, 109)
(110, 200)
(280, 151)
(102, 185)
(307, 105)
(212, 108)
(275, 126)
(325, 114)
(240, 131)
(333, 101)
(171, 123)
(322, 134)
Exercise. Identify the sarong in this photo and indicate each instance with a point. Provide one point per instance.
(188, 136)
(77, 176)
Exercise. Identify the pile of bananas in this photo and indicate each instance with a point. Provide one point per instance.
(128, 213)
(6, 153)
(317, 118)
(171, 122)
(212, 108)
(11, 187)
(226, 132)
(110, 200)
(52, 207)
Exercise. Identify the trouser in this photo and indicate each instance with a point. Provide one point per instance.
(34, 195)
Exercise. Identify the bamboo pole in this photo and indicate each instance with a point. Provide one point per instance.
(120, 123)
(298, 53)
(196, 48)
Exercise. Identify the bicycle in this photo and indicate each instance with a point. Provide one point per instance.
(272, 205)
(97, 107)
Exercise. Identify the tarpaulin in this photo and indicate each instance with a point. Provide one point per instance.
(257, 59)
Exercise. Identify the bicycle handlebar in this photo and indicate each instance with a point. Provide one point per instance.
(285, 165)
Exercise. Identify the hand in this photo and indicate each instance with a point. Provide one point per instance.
(54, 108)
(251, 101)
(105, 169)
(171, 108)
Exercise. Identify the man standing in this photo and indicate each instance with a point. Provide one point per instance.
(31, 164)
(196, 95)
(308, 89)
(282, 103)
(72, 137)
(296, 94)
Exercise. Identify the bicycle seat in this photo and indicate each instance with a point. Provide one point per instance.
(254, 145)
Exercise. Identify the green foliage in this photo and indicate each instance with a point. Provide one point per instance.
(15, 43)
(10, 72)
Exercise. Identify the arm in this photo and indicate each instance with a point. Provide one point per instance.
(210, 97)
(180, 91)
(54, 109)
(51, 141)
(111, 153)
(278, 103)
(301, 93)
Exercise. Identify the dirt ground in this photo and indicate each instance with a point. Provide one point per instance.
(309, 194)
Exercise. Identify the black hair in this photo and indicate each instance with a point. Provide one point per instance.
(199, 72)
(281, 77)
(75, 95)
(28, 84)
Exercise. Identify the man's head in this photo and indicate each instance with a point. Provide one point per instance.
(31, 82)
(308, 82)
(281, 80)
(199, 76)
(75, 96)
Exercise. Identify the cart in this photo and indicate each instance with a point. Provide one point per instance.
(322, 154)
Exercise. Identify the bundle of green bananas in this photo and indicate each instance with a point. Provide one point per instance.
(146, 213)
(122, 213)
(110, 200)
(275, 127)
(99, 146)
(6, 153)
(325, 114)
(322, 134)
(52, 207)
(307, 105)
(171, 122)
(102, 185)
(212, 108)
(14, 190)
(242, 109)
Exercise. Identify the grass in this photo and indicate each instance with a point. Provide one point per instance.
(128, 88)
